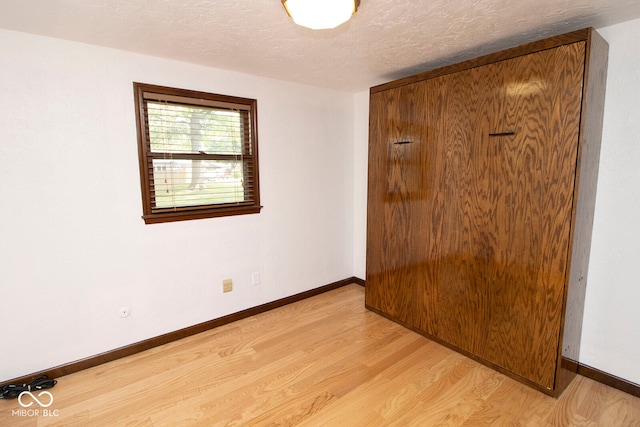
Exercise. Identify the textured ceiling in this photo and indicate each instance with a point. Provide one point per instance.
(385, 39)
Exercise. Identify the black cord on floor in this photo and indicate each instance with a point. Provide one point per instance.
(12, 391)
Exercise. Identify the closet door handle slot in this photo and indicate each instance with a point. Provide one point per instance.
(511, 132)
(403, 142)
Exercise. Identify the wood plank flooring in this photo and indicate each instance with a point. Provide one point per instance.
(324, 361)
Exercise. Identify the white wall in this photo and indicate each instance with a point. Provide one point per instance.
(360, 171)
(611, 328)
(73, 248)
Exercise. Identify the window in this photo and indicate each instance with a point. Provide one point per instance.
(198, 154)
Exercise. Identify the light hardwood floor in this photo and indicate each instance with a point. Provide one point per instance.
(324, 361)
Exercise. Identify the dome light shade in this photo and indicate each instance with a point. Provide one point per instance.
(320, 14)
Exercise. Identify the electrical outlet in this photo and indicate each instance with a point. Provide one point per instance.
(227, 285)
(255, 278)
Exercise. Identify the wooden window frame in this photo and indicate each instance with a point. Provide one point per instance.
(151, 214)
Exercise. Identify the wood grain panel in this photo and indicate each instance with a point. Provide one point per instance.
(535, 170)
(431, 229)
(462, 294)
(475, 247)
(396, 159)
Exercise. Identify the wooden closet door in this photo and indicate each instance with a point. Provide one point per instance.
(400, 190)
(514, 143)
(466, 248)
(536, 170)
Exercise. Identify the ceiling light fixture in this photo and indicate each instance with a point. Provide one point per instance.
(320, 14)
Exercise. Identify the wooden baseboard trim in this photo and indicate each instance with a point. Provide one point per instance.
(89, 362)
(358, 281)
(610, 380)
